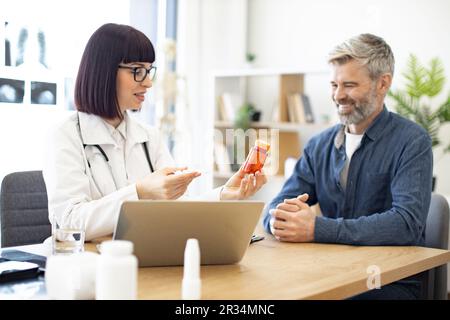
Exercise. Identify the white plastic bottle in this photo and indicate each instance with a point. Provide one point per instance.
(117, 267)
(191, 285)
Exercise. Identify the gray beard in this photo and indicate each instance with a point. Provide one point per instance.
(360, 113)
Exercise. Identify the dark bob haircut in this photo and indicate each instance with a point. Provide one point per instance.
(110, 45)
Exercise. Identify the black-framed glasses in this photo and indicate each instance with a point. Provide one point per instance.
(140, 73)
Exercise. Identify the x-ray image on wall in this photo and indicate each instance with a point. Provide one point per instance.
(25, 46)
(7, 54)
(43, 92)
(11, 90)
(29, 72)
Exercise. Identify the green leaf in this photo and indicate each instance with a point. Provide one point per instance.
(242, 119)
(436, 78)
(403, 104)
(416, 75)
(414, 102)
(444, 110)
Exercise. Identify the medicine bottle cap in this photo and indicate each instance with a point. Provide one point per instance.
(262, 144)
(117, 247)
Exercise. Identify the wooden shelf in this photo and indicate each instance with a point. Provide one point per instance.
(282, 126)
(252, 72)
(284, 136)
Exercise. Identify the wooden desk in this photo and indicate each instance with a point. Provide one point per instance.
(275, 270)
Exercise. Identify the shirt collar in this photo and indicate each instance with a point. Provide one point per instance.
(378, 125)
(94, 130)
(136, 131)
(121, 128)
(373, 131)
(340, 137)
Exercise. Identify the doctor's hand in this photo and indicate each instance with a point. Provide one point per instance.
(241, 185)
(293, 220)
(164, 184)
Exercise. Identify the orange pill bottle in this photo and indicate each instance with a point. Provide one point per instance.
(256, 157)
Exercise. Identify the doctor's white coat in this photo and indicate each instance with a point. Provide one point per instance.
(84, 190)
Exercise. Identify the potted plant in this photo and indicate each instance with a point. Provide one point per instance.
(415, 101)
(246, 114)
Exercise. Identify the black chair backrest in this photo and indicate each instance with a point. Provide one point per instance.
(436, 236)
(24, 209)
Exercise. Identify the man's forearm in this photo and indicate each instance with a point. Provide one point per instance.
(392, 227)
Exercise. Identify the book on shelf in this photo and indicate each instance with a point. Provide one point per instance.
(295, 108)
(307, 109)
(275, 113)
(292, 115)
(299, 108)
(228, 104)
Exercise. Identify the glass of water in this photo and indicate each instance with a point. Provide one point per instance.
(67, 240)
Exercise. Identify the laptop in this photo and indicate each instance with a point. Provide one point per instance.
(159, 229)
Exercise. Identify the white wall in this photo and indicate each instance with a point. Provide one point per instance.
(298, 33)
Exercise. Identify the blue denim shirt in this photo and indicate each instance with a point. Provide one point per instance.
(388, 191)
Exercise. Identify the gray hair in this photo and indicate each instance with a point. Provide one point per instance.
(371, 51)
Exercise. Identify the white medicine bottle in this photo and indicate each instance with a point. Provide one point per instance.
(117, 267)
(191, 288)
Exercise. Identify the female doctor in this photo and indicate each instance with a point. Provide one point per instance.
(100, 156)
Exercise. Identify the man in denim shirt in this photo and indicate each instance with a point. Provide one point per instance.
(381, 196)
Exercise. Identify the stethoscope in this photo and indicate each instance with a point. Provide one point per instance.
(144, 144)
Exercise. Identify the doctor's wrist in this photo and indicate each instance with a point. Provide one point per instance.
(140, 191)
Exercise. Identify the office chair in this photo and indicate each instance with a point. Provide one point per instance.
(24, 209)
(436, 236)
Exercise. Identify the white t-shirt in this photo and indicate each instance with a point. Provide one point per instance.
(352, 142)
